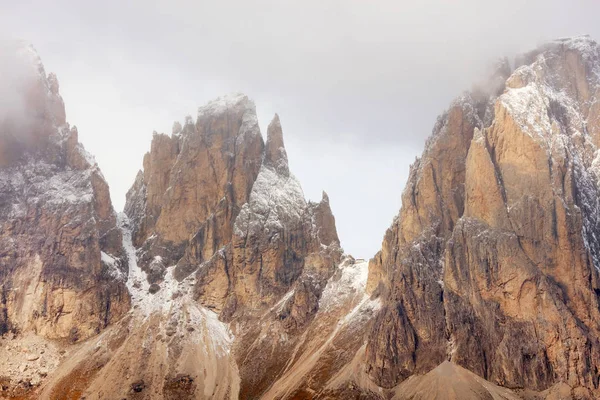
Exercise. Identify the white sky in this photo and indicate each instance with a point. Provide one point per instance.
(357, 84)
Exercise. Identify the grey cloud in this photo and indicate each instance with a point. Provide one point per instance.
(16, 73)
(357, 84)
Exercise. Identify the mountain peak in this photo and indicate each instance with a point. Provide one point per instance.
(577, 41)
(275, 154)
(233, 101)
(20, 57)
(510, 159)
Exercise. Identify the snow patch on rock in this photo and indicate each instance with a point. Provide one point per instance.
(346, 285)
(173, 302)
(350, 279)
(113, 266)
(224, 103)
(274, 200)
(36, 182)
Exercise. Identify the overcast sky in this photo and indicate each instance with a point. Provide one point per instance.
(357, 84)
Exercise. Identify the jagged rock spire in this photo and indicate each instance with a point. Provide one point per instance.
(275, 154)
(325, 221)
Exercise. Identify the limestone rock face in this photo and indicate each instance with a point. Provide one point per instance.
(492, 262)
(216, 206)
(213, 195)
(222, 281)
(275, 154)
(62, 264)
(167, 347)
(194, 183)
(238, 285)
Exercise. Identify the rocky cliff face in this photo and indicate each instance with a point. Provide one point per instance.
(215, 201)
(235, 221)
(221, 281)
(230, 267)
(493, 261)
(62, 264)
